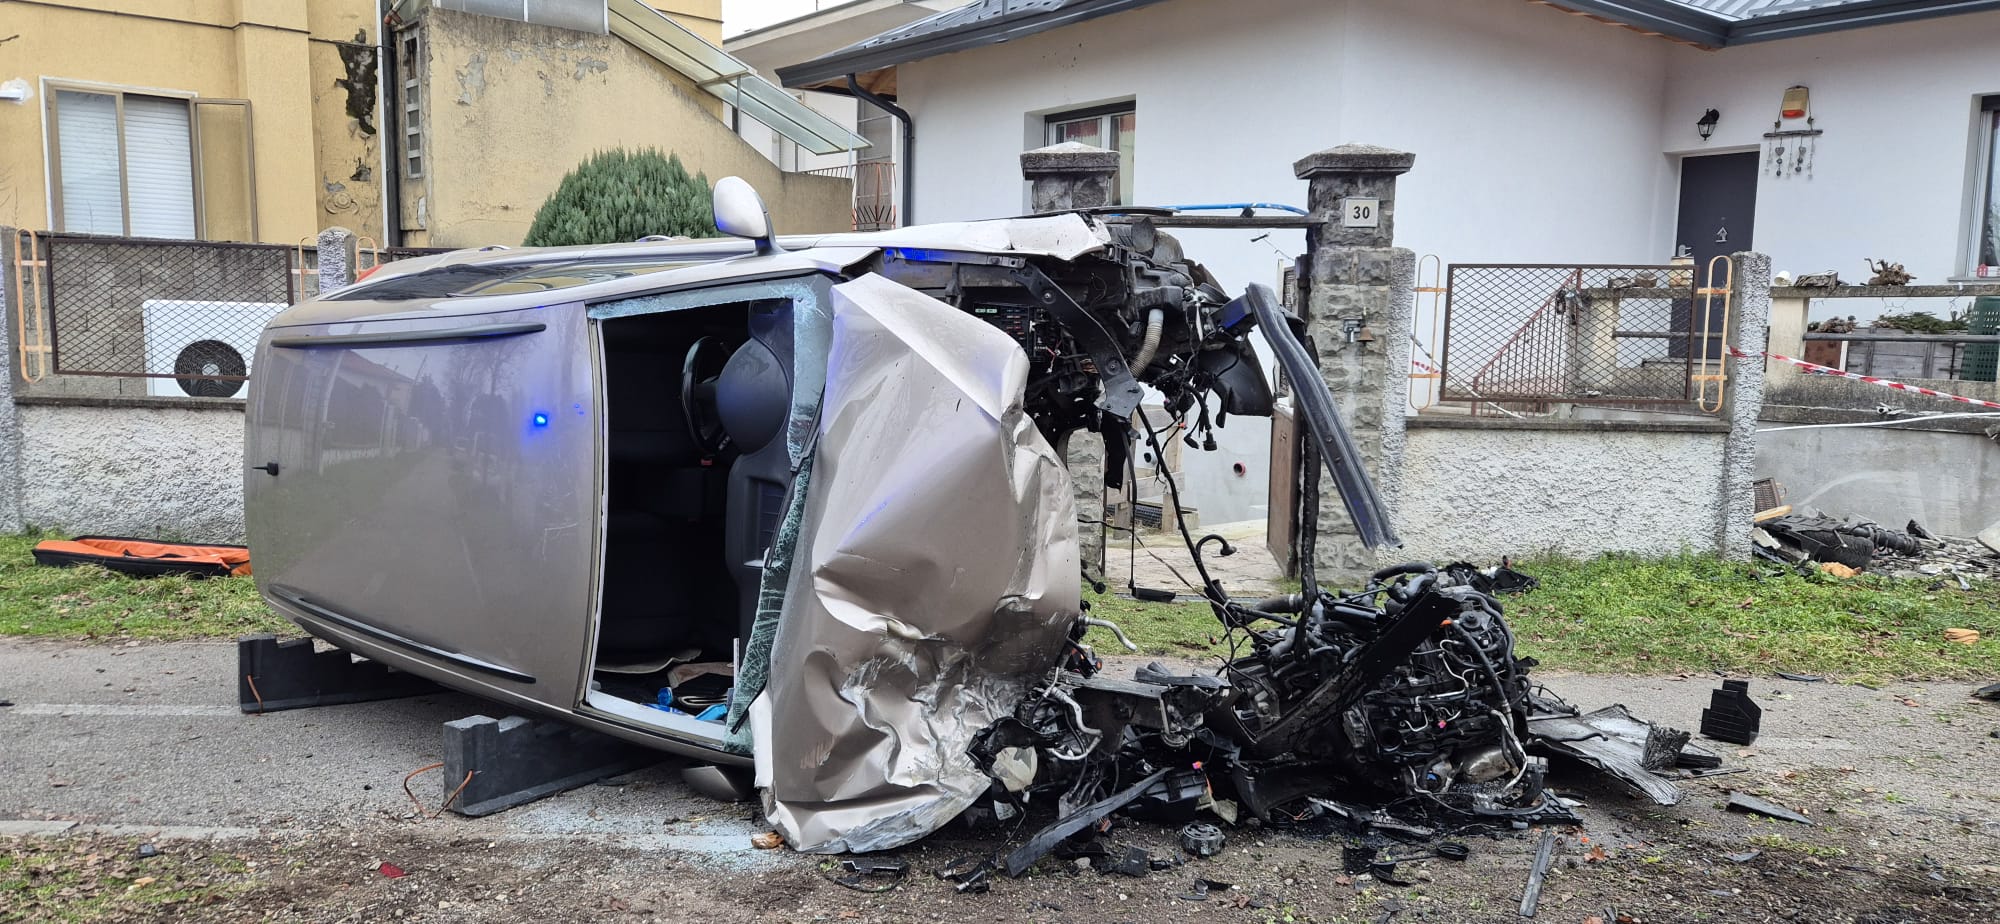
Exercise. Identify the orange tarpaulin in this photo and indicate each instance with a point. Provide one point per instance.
(145, 556)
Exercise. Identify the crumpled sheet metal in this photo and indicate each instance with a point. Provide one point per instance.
(934, 582)
(1610, 739)
(1064, 237)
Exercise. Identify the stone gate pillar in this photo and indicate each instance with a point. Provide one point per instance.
(1063, 177)
(338, 253)
(1359, 304)
(1748, 329)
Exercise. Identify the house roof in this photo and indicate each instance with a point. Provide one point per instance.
(1734, 10)
(982, 22)
(827, 30)
(1708, 23)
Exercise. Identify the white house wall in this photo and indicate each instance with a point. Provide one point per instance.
(1536, 135)
(1891, 173)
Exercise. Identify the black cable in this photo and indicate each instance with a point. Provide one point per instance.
(1208, 588)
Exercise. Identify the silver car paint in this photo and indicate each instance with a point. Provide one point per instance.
(422, 519)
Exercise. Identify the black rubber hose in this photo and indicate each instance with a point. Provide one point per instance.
(1408, 567)
(1283, 603)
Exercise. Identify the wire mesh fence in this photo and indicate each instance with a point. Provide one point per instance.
(1613, 334)
(173, 318)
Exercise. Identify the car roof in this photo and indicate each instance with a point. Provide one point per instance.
(495, 279)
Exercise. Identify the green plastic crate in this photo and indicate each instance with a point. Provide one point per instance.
(1981, 359)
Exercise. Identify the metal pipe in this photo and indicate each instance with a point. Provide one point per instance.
(1236, 206)
(909, 144)
(389, 96)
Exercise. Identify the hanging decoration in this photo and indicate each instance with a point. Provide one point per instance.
(1789, 152)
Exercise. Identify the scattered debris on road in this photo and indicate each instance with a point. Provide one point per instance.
(1532, 897)
(1731, 715)
(1743, 802)
(866, 875)
(1846, 547)
(1202, 839)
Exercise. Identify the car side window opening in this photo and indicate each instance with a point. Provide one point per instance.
(702, 396)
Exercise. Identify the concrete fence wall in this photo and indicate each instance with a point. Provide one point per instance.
(115, 468)
(1480, 489)
(1946, 478)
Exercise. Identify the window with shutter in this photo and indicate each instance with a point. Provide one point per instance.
(93, 190)
(159, 167)
(124, 164)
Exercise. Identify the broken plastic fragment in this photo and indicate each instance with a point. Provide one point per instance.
(1742, 802)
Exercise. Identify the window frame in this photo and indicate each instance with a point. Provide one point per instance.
(52, 147)
(1985, 165)
(409, 50)
(1106, 115)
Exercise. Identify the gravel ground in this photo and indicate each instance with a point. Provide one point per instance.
(289, 817)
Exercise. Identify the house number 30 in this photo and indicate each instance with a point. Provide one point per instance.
(1360, 213)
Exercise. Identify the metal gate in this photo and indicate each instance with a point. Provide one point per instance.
(1598, 333)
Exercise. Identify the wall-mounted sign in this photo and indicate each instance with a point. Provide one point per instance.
(1360, 213)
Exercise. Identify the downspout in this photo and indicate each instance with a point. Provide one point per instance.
(909, 145)
(391, 100)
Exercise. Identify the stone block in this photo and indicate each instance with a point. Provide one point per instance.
(1069, 157)
(1353, 158)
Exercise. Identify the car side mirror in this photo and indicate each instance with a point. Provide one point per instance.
(740, 212)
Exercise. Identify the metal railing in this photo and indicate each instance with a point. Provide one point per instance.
(874, 191)
(1616, 334)
(184, 316)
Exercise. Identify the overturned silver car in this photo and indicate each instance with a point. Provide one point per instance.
(793, 506)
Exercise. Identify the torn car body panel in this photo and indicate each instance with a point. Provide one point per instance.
(935, 576)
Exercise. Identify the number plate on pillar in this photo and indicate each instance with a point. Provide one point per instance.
(1360, 213)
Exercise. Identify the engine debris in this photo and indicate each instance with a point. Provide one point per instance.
(1406, 698)
(1202, 840)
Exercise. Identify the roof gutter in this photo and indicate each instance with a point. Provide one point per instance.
(1850, 16)
(909, 157)
(1662, 16)
(864, 57)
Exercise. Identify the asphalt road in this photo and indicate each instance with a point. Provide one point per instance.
(150, 736)
(148, 739)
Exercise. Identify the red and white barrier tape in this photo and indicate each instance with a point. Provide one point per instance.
(1818, 369)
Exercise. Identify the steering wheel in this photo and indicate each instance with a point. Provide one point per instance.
(699, 370)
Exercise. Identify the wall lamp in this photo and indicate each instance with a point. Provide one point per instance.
(1706, 124)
